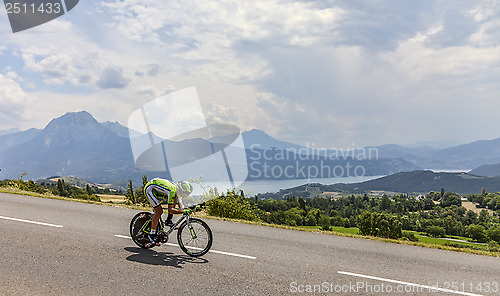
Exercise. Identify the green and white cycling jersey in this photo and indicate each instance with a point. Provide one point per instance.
(160, 191)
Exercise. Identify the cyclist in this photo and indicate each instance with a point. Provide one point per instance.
(161, 191)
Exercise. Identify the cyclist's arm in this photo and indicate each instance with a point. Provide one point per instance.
(173, 210)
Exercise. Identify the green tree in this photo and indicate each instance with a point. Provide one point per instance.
(476, 232)
(312, 217)
(302, 204)
(61, 188)
(428, 203)
(88, 189)
(494, 234)
(232, 205)
(484, 218)
(385, 202)
(379, 224)
(294, 217)
(324, 221)
(22, 175)
(130, 193)
(471, 217)
(435, 231)
(450, 199)
(140, 197)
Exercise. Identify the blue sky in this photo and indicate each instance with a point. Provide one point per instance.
(333, 74)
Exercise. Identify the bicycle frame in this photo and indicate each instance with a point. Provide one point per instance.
(173, 227)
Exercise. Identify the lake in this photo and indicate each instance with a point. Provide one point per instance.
(263, 186)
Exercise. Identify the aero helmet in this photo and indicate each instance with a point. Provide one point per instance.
(185, 187)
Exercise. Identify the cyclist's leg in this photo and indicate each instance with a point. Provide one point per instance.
(158, 210)
(156, 217)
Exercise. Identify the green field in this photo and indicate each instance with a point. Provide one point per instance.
(351, 230)
(440, 241)
(421, 238)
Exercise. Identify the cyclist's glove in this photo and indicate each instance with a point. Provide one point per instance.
(187, 211)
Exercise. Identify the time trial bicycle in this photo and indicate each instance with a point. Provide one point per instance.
(193, 234)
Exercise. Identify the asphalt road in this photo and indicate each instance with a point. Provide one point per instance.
(84, 249)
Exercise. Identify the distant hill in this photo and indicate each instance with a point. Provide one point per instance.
(491, 170)
(281, 164)
(463, 157)
(259, 139)
(11, 140)
(9, 131)
(78, 182)
(426, 181)
(76, 144)
(120, 130)
(73, 144)
(435, 144)
(469, 156)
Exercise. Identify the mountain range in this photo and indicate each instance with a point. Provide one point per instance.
(425, 181)
(77, 144)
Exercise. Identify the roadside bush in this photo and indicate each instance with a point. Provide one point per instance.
(494, 234)
(25, 185)
(493, 246)
(232, 205)
(457, 245)
(86, 197)
(410, 236)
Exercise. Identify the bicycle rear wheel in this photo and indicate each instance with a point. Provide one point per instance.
(195, 238)
(140, 226)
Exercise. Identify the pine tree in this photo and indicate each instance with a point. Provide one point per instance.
(130, 193)
(61, 188)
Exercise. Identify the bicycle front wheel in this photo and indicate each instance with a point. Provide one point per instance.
(194, 237)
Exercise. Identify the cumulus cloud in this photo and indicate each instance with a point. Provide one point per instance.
(154, 92)
(113, 77)
(61, 67)
(152, 69)
(332, 73)
(12, 101)
(455, 29)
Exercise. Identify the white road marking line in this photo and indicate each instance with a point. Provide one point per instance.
(213, 251)
(29, 221)
(428, 288)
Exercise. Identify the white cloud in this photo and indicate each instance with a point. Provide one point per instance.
(64, 67)
(332, 73)
(12, 102)
(113, 77)
(13, 75)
